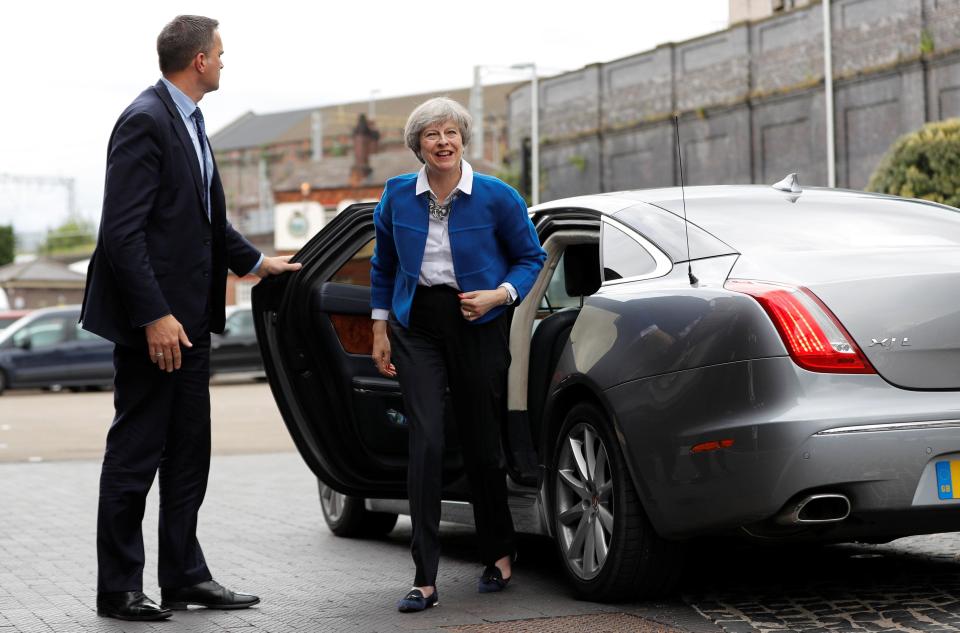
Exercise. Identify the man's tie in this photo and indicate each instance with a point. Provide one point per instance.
(202, 137)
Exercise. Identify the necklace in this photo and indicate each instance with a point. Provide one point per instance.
(441, 211)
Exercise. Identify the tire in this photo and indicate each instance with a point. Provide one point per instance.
(346, 516)
(609, 550)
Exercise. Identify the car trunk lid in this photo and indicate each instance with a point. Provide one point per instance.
(899, 305)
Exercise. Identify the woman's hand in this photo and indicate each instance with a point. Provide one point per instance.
(381, 350)
(476, 303)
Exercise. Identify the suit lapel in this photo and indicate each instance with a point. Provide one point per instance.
(185, 141)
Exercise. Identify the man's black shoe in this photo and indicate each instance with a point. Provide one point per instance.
(130, 605)
(209, 594)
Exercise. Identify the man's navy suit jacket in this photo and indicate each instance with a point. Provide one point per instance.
(157, 253)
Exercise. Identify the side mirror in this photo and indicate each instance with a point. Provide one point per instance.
(26, 344)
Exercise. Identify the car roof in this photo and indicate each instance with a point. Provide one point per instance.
(751, 217)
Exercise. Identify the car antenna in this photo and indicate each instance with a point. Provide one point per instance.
(683, 197)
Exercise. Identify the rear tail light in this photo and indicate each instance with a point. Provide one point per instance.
(814, 337)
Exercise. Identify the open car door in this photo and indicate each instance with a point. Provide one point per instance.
(315, 334)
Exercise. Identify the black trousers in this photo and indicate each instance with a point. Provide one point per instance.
(162, 422)
(441, 349)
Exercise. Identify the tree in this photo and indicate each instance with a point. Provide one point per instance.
(923, 164)
(76, 236)
(7, 245)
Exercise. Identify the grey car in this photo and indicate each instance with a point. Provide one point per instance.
(782, 365)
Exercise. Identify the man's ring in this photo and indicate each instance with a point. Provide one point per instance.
(159, 354)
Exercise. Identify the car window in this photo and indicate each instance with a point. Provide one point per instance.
(622, 256)
(83, 335)
(240, 323)
(356, 271)
(556, 296)
(42, 333)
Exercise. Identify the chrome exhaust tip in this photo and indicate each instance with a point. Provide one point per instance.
(815, 509)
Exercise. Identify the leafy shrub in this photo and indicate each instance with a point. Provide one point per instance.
(923, 164)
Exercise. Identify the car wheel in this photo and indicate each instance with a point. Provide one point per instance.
(609, 549)
(346, 516)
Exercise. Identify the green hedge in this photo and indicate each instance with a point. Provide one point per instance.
(923, 164)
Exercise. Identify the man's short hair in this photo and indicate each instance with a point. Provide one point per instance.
(181, 40)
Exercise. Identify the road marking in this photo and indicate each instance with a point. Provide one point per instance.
(3, 446)
(4, 427)
(34, 459)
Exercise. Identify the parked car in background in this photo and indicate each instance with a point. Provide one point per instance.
(236, 350)
(769, 362)
(8, 317)
(48, 349)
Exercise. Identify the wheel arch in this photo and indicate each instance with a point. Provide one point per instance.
(572, 391)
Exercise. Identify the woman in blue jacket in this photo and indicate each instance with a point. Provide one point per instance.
(454, 249)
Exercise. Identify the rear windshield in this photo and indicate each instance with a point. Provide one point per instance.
(829, 223)
(666, 231)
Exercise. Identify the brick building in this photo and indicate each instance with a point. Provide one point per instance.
(331, 156)
(41, 283)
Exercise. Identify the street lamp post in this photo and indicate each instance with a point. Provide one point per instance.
(534, 132)
(476, 109)
(372, 105)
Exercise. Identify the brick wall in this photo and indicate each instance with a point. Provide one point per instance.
(751, 100)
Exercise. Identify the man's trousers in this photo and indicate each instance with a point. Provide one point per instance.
(162, 422)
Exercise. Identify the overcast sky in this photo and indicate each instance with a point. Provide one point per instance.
(69, 68)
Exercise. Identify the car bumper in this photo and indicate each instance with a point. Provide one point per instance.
(794, 433)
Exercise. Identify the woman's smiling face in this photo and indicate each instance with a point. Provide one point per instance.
(441, 146)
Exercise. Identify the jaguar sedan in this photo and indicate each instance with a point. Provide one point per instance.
(773, 362)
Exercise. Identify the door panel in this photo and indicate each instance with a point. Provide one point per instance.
(315, 334)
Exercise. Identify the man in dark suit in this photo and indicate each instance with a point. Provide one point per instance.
(156, 287)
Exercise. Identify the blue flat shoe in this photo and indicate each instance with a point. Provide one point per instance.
(492, 580)
(414, 601)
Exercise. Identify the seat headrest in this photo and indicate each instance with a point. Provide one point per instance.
(581, 268)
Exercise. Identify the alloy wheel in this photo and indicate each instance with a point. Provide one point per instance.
(333, 502)
(584, 494)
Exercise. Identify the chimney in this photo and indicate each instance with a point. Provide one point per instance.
(365, 140)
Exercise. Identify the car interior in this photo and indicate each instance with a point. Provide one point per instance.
(541, 327)
(372, 431)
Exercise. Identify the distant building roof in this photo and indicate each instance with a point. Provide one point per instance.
(255, 130)
(39, 272)
(334, 172)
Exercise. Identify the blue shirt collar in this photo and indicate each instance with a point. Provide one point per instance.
(184, 104)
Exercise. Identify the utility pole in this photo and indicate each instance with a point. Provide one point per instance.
(476, 111)
(828, 93)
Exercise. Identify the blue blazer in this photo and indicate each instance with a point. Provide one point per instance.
(491, 238)
(157, 253)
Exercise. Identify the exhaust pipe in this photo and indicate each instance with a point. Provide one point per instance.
(815, 509)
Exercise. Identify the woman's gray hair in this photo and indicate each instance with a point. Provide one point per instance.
(432, 111)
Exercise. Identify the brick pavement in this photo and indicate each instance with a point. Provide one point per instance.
(263, 532)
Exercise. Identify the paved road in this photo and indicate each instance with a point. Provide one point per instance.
(43, 426)
(263, 532)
